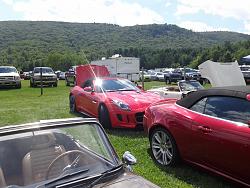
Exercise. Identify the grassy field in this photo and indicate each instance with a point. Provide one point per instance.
(26, 105)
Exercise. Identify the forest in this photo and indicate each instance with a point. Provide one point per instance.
(60, 45)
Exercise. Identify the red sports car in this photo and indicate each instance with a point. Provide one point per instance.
(117, 102)
(208, 128)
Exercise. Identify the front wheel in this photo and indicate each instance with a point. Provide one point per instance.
(104, 117)
(163, 147)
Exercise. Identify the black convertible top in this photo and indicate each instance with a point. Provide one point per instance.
(233, 91)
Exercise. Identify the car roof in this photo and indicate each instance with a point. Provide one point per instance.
(232, 91)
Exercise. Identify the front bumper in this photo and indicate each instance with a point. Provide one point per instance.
(45, 82)
(126, 119)
(10, 82)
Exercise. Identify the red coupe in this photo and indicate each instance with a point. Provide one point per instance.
(208, 128)
(116, 102)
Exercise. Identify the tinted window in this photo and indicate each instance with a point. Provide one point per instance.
(7, 69)
(199, 106)
(230, 108)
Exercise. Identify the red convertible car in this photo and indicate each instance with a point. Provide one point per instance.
(116, 102)
(208, 128)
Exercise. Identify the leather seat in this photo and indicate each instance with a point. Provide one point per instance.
(36, 162)
(2, 179)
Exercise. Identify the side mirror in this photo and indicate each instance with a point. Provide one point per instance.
(88, 89)
(140, 87)
(128, 159)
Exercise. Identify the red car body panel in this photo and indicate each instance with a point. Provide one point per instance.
(223, 149)
(84, 72)
(89, 102)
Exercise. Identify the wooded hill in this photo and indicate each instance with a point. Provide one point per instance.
(27, 44)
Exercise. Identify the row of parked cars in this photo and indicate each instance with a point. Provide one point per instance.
(170, 75)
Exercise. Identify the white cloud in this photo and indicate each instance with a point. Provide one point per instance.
(86, 11)
(225, 8)
(200, 26)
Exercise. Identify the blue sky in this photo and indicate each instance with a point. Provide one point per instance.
(197, 15)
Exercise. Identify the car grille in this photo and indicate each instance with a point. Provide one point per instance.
(6, 77)
(47, 78)
(139, 117)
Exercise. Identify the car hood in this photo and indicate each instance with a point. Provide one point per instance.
(129, 180)
(134, 99)
(9, 74)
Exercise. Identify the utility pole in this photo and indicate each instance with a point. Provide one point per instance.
(41, 80)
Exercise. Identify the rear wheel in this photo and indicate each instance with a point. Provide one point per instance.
(104, 117)
(72, 104)
(163, 147)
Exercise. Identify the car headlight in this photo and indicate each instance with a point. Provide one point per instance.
(121, 105)
(17, 78)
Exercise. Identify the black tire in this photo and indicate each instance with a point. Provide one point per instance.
(67, 83)
(31, 84)
(72, 104)
(167, 154)
(18, 86)
(55, 84)
(104, 118)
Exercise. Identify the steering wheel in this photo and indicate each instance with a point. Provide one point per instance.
(59, 157)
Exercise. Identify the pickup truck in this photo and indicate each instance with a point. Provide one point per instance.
(9, 77)
(48, 77)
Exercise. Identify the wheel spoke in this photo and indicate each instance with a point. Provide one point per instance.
(164, 158)
(156, 145)
(157, 137)
(169, 154)
(158, 154)
(163, 137)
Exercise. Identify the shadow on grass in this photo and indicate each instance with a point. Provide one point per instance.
(125, 133)
(195, 176)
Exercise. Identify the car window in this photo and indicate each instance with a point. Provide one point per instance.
(229, 108)
(88, 83)
(199, 106)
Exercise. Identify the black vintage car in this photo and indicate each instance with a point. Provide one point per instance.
(63, 153)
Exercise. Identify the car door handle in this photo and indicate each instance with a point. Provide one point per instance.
(94, 102)
(205, 129)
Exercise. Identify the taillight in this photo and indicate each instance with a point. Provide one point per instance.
(248, 97)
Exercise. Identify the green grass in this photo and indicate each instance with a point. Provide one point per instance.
(26, 105)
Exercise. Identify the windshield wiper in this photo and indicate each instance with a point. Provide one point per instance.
(103, 175)
(64, 176)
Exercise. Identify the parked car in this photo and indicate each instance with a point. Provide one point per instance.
(172, 76)
(26, 75)
(48, 77)
(70, 77)
(245, 69)
(72, 152)
(181, 90)
(208, 128)
(146, 76)
(62, 76)
(159, 76)
(117, 102)
(9, 77)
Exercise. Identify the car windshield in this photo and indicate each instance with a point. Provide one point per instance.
(44, 70)
(190, 86)
(117, 85)
(40, 156)
(7, 69)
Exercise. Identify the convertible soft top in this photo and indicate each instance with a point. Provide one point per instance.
(232, 91)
